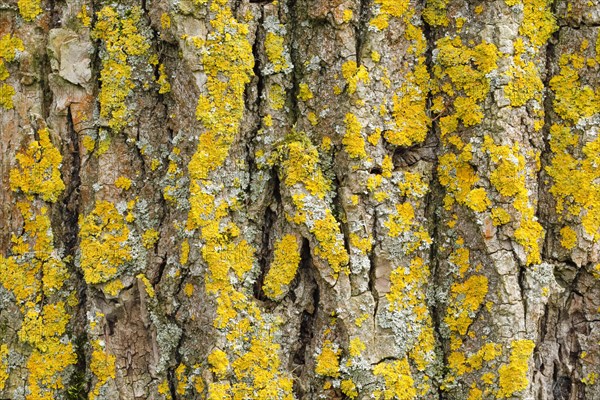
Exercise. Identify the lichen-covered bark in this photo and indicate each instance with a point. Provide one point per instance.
(305, 199)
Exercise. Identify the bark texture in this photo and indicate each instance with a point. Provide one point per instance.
(312, 199)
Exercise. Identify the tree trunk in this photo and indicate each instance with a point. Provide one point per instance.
(341, 199)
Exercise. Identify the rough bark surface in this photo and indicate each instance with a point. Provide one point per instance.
(340, 199)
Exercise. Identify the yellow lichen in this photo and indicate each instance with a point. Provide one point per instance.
(276, 96)
(539, 22)
(327, 361)
(163, 82)
(353, 74)
(568, 237)
(353, 140)
(123, 183)
(122, 40)
(274, 47)
(458, 79)
(399, 383)
(459, 177)
(84, 17)
(35, 274)
(590, 378)
(38, 172)
(509, 179)
(387, 9)
(513, 376)
(218, 362)
(114, 287)
(304, 92)
(411, 119)
(6, 96)
(149, 238)
(282, 271)
(466, 298)
(165, 21)
(254, 368)
(3, 366)
(102, 365)
(185, 252)
(525, 84)
(349, 388)
(402, 221)
(435, 12)
(572, 100)
(575, 187)
(347, 15)
(104, 247)
(29, 9)
(301, 167)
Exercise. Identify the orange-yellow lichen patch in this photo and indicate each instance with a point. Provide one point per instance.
(228, 64)
(574, 163)
(122, 40)
(259, 366)
(114, 287)
(349, 388)
(356, 347)
(513, 376)
(3, 365)
(123, 183)
(353, 140)
(461, 71)
(20, 273)
(363, 245)
(331, 246)
(399, 383)
(218, 362)
(252, 365)
(38, 172)
(84, 17)
(458, 177)
(466, 298)
(35, 273)
(283, 269)
(163, 80)
(300, 164)
(525, 83)
(8, 50)
(538, 22)
(6, 95)
(435, 13)
(387, 9)
(104, 246)
(460, 365)
(576, 180)
(327, 361)
(411, 120)
(51, 354)
(9, 45)
(150, 237)
(29, 9)
(165, 21)
(572, 100)
(354, 74)
(400, 222)
(274, 47)
(102, 366)
(185, 252)
(304, 92)
(568, 238)
(509, 179)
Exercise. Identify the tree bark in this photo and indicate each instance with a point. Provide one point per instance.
(307, 199)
